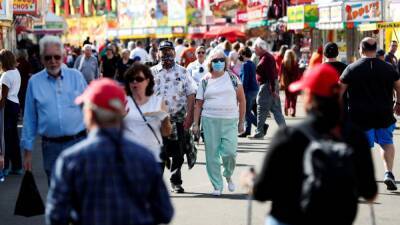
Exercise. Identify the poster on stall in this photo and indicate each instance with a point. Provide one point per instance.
(136, 14)
(176, 13)
(194, 15)
(160, 13)
(93, 27)
(228, 8)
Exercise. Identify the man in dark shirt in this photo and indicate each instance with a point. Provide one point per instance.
(281, 177)
(369, 83)
(331, 52)
(390, 57)
(268, 95)
(107, 179)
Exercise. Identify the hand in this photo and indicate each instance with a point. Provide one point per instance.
(28, 160)
(397, 109)
(188, 122)
(241, 127)
(247, 180)
(195, 130)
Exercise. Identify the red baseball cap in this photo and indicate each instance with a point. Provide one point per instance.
(104, 93)
(320, 80)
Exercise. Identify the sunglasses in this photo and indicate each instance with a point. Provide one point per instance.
(201, 70)
(201, 53)
(138, 79)
(49, 57)
(218, 60)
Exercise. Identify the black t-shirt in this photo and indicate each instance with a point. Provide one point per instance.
(109, 66)
(339, 66)
(122, 68)
(281, 177)
(370, 92)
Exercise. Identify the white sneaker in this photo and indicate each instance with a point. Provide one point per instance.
(216, 192)
(231, 185)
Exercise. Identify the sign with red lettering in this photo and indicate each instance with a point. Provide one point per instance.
(25, 7)
(364, 11)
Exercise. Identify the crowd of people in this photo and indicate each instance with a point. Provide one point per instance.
(111, 121)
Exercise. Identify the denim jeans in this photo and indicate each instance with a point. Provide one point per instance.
(11, 139)
(51, 150)
(265, 103)
(270, 220)
(251, 119)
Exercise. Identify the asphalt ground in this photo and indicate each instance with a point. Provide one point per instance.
(198, 207)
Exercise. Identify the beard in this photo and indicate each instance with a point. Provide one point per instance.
(54, 71)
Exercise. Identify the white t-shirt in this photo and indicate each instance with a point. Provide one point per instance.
(12, 79)
(178, 52)
(194, 69)
(144, 56)
(136, 127)
(220, 99)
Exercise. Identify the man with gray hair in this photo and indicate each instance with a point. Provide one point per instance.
(107, 179)
(268, 95)
(87, 64)
(49, 106)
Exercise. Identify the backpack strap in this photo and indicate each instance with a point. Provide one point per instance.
(234, 80)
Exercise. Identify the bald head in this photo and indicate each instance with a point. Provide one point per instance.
(368, 47)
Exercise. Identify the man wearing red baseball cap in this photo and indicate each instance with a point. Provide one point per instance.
(282, 178)
(97, 180)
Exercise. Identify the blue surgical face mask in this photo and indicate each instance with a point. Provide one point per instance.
(218, 66)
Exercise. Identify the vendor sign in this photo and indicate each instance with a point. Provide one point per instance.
(363, 11)
(302, 16)
(25, 7)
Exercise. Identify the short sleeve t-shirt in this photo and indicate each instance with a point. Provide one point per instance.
(370, 92)
(11, 79)
(137, 129)
(339, 66)
(219, 97)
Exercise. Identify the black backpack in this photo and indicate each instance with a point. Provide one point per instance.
(329, 186)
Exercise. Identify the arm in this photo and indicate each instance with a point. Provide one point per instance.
(4, 94)
(59, 202)
(397, 89)
(197, 112)
(29, 130)
(190, 108)
(166, 127)
(242, 106)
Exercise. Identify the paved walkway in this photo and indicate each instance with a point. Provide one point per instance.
(197, 207)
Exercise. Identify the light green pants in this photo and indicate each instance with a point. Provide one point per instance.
(220, 139)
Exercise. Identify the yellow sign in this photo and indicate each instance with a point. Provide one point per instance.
(388, 25)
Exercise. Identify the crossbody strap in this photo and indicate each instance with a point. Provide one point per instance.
(145, 120)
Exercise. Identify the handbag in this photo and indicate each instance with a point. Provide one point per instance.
(29, 203)
(190, 149)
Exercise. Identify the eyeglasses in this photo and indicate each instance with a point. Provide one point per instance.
(218, 60)
(138, 79)
(49, 57)
(201, 53)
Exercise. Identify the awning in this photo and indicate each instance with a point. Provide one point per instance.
(230, 33)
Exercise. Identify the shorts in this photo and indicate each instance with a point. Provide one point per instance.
(381, 136)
